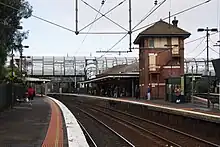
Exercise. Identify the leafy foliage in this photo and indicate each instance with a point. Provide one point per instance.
(11, 14)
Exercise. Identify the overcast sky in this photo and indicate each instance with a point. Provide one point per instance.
(49, 40)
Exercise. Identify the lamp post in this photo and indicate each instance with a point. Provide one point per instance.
(207, 30)
(21, 55)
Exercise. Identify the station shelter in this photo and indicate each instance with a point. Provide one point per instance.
(40, 85)
(118, 81)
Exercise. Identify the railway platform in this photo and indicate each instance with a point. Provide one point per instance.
(194, 121)
(45, 123)
(197, 111)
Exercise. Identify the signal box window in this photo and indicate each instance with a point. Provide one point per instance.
(151, 43)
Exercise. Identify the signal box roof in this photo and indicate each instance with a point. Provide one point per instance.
(162, 29)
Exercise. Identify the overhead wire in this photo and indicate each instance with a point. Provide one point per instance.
(102, 4)
(197, 46)
(40, 18)
(175, 14)
(113, 46)
(56, 24)
(200, 53)
(103, 14)
(70, 30)
(149, 13)
(214, 50)
(194, 40)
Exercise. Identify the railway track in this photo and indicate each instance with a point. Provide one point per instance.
(157, 133)
(89, 138)
(172, 136)
(96, 131)
(146, 138)
(106, 126)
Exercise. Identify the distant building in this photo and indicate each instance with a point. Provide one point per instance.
(161, 55)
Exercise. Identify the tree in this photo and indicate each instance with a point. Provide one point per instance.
(11, 14)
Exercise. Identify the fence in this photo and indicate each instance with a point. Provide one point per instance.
(7, 98)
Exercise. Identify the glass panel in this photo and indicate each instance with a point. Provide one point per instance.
(151, 43)
(152, 62)
(175, 49)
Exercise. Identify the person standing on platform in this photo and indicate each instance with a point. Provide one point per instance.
(78, 90)
(30, 93)
(137, 93)
(148, 93)
(177, 93)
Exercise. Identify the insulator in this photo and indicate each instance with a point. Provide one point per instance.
(103, 1)
(155, 2)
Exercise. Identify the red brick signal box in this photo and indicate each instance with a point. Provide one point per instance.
(161, 55)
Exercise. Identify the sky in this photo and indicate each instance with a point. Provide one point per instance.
(49, 40)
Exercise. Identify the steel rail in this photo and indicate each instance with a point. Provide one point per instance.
(106, 126)
(87, 133)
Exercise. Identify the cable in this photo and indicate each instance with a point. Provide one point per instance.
(102, 4)
(200, 52)
(103, 14)
(40, 18)
(113, 46)
(180, 12)
(63, 27)
(197, 46)
(211, 40)
(149, 13)
(132, 29)
(214, 50)
(201, 38)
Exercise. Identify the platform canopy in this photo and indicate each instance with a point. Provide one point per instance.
(29, 79)
(118, 71)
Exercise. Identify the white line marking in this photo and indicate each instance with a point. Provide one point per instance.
(75, 135)
(90, 137)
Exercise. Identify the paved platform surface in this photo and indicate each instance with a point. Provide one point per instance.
(25, 125)
(45, 123)
(36, 125)
(197, 107)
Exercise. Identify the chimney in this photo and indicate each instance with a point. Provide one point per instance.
(175, 22)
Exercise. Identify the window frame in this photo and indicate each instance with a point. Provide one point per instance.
(151, 43)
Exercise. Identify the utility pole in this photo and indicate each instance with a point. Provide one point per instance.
(130, 27)
(207, 30)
